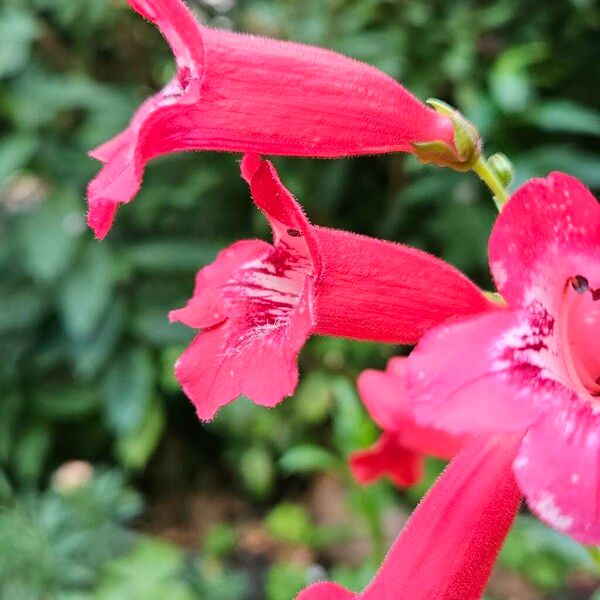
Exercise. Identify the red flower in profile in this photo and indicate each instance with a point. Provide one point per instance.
(242, 93)
(534, 367)
(401, 450)
(448, 546)
(258, 303)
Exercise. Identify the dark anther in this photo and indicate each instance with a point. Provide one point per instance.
(580, 284)
(294, 233)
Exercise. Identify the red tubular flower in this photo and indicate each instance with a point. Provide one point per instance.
(448, 547)
(258, 303)
(534, 367)
(243, 93)
(400, 451)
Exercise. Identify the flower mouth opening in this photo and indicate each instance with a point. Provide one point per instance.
(582, 332)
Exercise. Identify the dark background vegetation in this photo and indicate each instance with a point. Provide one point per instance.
(259, 502)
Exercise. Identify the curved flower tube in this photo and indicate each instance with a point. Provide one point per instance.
(448, 546)
(401, 450)
(534, 367)
(242, 93)
(258, 303)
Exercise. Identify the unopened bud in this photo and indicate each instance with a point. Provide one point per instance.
(467, 143)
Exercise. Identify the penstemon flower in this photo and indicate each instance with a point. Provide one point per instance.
(243, 93)
(400, 451)
(535, 366)
(258, 303)
(448, 546)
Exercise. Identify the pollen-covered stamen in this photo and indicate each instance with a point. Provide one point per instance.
(582, 330)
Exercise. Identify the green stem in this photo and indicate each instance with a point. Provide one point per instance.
(491, 180)
(594, 552)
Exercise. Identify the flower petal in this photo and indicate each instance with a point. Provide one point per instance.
(546, 233)
(486, 387)
(387, 457)
(384, 396)
(232, 358)
(326, 591)
(448, 547)
(243, 93)
(288, 222)
(207, 307)
(387, 292)
(558, 469)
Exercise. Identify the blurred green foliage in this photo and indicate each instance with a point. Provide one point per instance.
(86, 351)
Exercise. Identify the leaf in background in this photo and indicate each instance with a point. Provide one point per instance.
(256, 470)
(171, 256)
(127, 389)
(18, 30)
(352, 428)
(285, 580)
(64, 402)
(313, 399)
(542, 554)
(15, 152)
(20, 308)
(135, 448)
(40, 96)
(30, 453)
(307, 458)
(10, 407)
(50, 235)
(152, 571)
(565, 116)
(540, 161)
(89, 355)
(152, 326)
(85, 293)
(290, 523)
(510, 83)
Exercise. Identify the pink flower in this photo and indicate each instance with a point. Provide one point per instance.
(447, 549)
(242, 93)
(400, 451)
(258, 303)
(535, 366)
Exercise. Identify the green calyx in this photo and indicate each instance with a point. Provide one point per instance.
(502, 168)
(467, 143)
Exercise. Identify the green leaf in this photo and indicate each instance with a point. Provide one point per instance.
(285, 581)
(152, 571)
(10, 407)
(256, 471)
(65, 402)
(167, 256)
(511, 84)
(565, 116)
(31, 452)
(307, 458)
(313, 399)
(135, 448)
(352, 428)
(18, 31)
(15, 153)
(86, 292)
(127, 389)
(90, 354)
(50, 235)
(220, 541)
(20, 309)
(289, 523)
